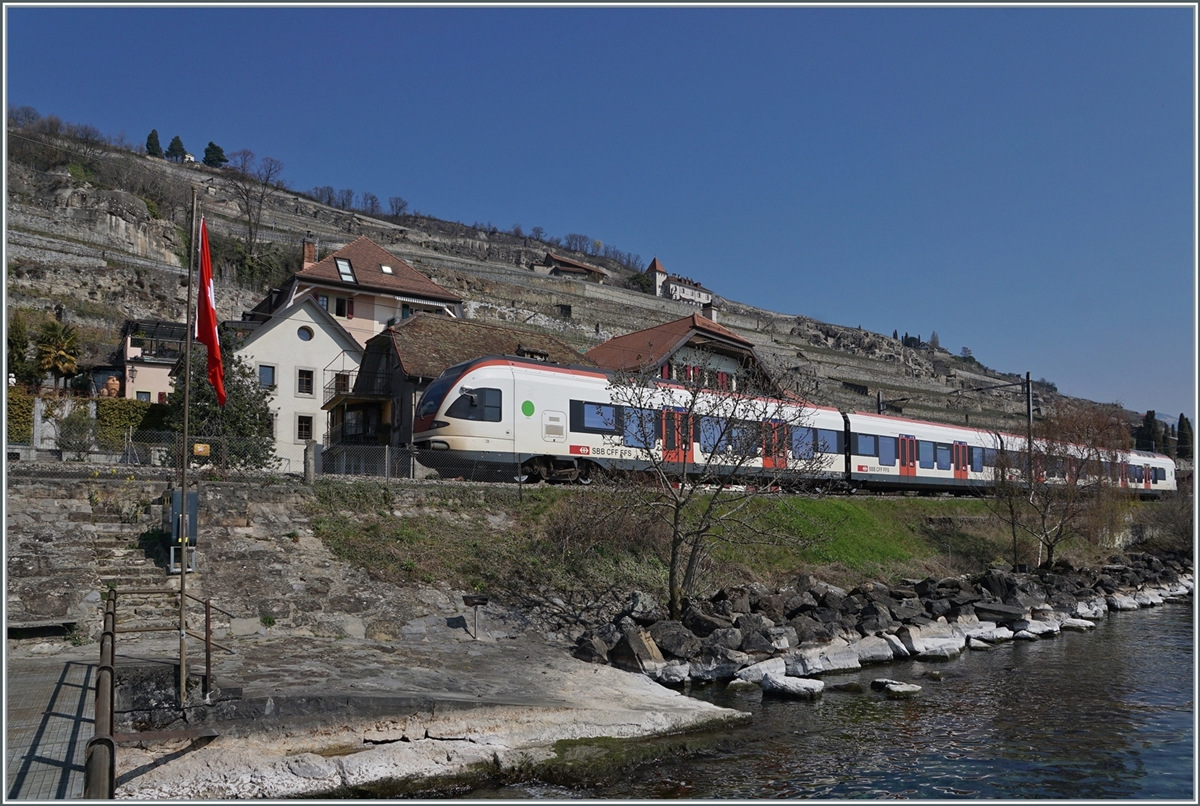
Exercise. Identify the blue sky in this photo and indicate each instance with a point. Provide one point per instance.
(1020, 180)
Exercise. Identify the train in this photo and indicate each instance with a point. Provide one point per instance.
(519, 418)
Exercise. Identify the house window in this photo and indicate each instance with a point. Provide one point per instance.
(304, 382)
(305, 333)
(343, 307)
(386, 269)
(144, 397)
(344, 270)
(266, 376)
(323, 301)
(304, 427)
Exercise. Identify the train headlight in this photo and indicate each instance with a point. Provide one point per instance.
(439, 445)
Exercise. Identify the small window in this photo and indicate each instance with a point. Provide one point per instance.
(976, 460)
(344, 270)
(887, 451)
(802, 442)
(304, 382)
(386, 269)
(925, 454)
(595, 418)
(144, 397)
(304, 428)
(477, 404)
(305, 333)
(323, 301)
(339, 308)
(830, 441)
(864, 444)
(266, 376)
(641, 428)
(943, 457)
(713, 436)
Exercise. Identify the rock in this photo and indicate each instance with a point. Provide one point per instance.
(932, 674)
(907, 609)
(931, 641)
(703, 624)
(674, 672)
(675, 639)
(591, 650)
(978, 645)
(853, 687)
(1024, 635)
(756, 643)
(1038, 628)
(1000, 613)
(1145, 598)
(609, 634)
(782, 638)
(752, 622)
(792, 688)
(717, 663)
(873, 649)
(1119, 601)
(1078, 624)
(902, 691)
(729, 637)
(898, 648)
(799, 603)
(637, 652)
(642, 608)
(755, 673)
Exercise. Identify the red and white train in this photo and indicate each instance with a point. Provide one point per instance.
(562, 423)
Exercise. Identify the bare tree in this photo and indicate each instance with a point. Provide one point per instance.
(370, 203)
(537, 233)
(1067, 484)
(253, 182)
(397, 205)
(576, 242)
(699, 459)
(344, 198)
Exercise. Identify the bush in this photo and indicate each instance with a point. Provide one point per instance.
(115, 416)
(76, 432)
(20, 416)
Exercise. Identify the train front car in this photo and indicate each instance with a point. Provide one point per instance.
(1147, 475)
(894, 453)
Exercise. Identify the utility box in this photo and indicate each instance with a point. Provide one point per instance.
(193, 508)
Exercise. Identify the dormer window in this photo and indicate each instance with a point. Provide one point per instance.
(343, 267)
(386, 269)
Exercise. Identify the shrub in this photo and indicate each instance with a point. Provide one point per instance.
(20, 416)
(115, 416)
(76, 432)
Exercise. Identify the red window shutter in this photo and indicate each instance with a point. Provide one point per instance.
(666, 372)
(350, 308)
(722, 380)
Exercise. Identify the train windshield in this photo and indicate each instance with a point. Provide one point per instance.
(436, 393)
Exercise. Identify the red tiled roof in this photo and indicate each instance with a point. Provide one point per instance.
(426, 344)
(567, 263)
(366, 259)
(647, 348)
(655, 267)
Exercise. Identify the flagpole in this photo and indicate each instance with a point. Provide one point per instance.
(183, 472)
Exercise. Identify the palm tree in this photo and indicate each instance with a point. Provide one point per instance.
(57, 349)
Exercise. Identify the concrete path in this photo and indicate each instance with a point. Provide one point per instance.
(49, 709)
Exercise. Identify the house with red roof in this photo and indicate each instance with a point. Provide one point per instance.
(559, 266)
(692, 349)
(672, 286)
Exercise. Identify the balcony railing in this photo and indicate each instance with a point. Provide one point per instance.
(356, 434)
(367, 384)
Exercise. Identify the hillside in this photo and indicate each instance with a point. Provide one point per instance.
(104, 243)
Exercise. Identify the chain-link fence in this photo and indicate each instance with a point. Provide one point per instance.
(386, 461)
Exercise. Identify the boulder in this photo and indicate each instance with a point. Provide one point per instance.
(931, 641)
(1038, 628)
(881, 683)
(799, 603)
(642, 608)
(901, 691)
(729, 637)
(703, 624)
(873, 649)
(674, 672)
(1147, 598)
(675, 639)
(908, 608)
(756, 672)
(1120, 601)
(752, 622)
(1024, 635)
(717, 663)
(637, 652)
(1000, 613)
(782, 638)
(755, 643)
(591, 650)
(791, 688)
(1077, 624)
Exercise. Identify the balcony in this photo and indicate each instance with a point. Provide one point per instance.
(358, 434)
(358, 385)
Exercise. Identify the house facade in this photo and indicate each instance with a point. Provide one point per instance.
(296, 354)
(559, 266)
(149, 350)
(678, 288)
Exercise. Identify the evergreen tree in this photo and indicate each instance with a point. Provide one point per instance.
(19, 364)
(57, 349)
(934, 341)
(1183, 450)
(1147, 433)
(896, 335)
(175, 150)
(214, 155)
(152, 145)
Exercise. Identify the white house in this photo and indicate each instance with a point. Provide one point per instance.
(294, 352)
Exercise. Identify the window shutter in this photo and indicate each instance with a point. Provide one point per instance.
(666, 372)
(350, 308)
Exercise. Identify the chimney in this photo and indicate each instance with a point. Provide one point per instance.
(709, 311)
(310, 252)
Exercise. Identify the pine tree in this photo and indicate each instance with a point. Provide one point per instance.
(1183, 450)
(1147, 433)
(896, 335)
(214, 155)
(175, 150)
(152, 145)
(934, 341)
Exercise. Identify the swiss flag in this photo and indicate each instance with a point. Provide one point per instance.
(206, 319)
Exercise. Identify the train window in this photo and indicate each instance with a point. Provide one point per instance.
(943, 456)
(864, 444)
(713, 434)
(476, 404)
(1160, 474)
(925, 453)
(830, 441)
(989, 457)
(977, 459)
(887, 451)
(595, 418)
(641, 427)
(744, 438)
(802, 442)
(431, 400)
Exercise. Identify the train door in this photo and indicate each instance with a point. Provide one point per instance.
(774, 444)
(677, 436)
(1124, 474)
(1147, 476)
(961, 460)
(908, 455)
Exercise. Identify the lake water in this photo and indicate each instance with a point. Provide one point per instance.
(1107, 714)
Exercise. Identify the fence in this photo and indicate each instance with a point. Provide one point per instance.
(390, 462)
